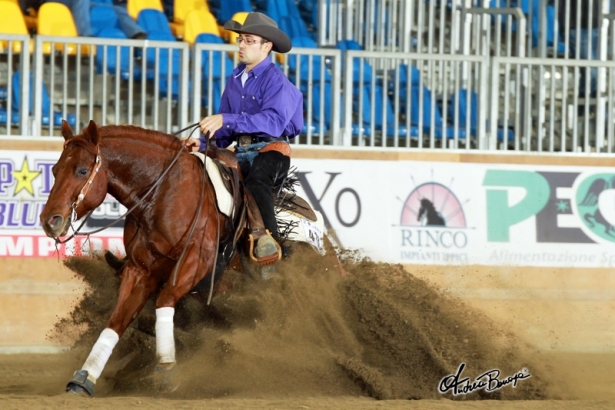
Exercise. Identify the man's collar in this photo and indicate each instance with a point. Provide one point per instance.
(258, 70)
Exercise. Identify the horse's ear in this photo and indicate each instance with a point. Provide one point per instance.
(67, 132)
(92, 132)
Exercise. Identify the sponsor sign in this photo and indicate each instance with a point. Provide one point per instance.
(392, 211)
(25, 182)
(451, 213)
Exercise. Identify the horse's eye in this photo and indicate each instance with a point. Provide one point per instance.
(82, 172)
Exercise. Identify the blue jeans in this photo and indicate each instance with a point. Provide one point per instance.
(80, 10)
(586, 54)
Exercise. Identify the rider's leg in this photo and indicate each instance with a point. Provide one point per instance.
(268, 169)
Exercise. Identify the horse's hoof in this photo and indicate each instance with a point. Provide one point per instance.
(80, 384)
(268, 272)
(166, 377)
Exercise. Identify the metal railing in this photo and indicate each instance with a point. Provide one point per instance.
(415, 100)
(379, 99)
(539, 101)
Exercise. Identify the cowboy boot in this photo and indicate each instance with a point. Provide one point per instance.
(264, 250)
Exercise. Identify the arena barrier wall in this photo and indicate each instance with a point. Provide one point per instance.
(526, 239)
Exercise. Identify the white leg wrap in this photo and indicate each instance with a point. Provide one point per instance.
(165, 342)
(100, 353)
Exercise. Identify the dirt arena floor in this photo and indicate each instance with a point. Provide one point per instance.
(376, 338)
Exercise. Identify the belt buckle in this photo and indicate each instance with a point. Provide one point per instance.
(244, 140)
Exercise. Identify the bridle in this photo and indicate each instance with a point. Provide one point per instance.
(84, 190)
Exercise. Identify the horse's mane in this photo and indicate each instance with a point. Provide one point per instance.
(161, 139)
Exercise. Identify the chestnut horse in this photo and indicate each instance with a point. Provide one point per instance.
(126, 162)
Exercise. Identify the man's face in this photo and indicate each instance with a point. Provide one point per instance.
(252, 49)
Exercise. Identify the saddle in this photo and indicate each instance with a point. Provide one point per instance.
(249, 216)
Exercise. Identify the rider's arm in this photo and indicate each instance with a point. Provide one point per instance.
(270, 116)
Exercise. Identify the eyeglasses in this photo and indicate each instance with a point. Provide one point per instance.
(249, 40)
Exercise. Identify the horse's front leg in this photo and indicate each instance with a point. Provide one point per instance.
(135, 288)
(189, 274)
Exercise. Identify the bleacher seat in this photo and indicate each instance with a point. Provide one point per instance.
(55, 19)
(181, 8)
(13, 22)
(102, 17)
(134, 7)
(154, 21)
(374, 95)
(55, 120)
(228, 9)
(112, 62)
(294, 27)
(199, 22)
(467, 97)
(276, 9)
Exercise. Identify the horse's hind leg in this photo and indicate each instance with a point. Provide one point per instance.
(135, 288)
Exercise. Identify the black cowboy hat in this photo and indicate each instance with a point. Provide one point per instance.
(261, 25)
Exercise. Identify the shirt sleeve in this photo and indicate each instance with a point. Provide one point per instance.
(278, 106)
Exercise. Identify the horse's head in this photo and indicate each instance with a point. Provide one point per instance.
(80, 180)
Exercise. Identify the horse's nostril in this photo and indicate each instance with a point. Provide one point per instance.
(55, 221)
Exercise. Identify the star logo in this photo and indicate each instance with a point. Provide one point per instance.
(562, 206)
(24, 178)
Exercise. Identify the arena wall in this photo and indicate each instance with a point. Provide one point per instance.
(559, 308)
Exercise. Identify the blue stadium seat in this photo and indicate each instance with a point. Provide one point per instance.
(466, 96)
(4, 92)
(302, 62)
(112, 62)
(535, 5)
(294, 27)
(154, 21)
(229, 7)
(46, 104)
(3, 116)
(276, 9)
(102, 17)
(379, 95)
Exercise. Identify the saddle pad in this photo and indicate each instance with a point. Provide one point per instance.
(310, 232)
(223, 196)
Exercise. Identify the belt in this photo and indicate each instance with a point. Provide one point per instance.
(245, 140)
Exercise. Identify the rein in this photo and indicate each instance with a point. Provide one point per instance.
(88, 184)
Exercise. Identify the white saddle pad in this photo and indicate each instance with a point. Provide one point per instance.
(223, 197)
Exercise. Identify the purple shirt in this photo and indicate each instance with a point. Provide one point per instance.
(269, 105)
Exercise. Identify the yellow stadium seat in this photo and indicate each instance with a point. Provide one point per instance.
(230, 36)
(182, 7)
(197, 22)
(13, 22)
(55, 19)
(135, 6)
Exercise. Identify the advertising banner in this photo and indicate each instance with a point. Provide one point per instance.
(459, 213)
(409, 212)
(26, 179)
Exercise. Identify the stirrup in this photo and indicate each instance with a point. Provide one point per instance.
(267, 259)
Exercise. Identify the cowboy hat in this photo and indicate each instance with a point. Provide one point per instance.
(261, 25)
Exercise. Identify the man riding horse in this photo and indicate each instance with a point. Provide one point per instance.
(260, 110)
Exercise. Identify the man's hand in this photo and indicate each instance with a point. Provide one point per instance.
(193, 144)
(211, 124)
